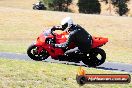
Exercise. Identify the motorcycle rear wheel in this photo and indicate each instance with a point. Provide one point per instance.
(96, 57)
(33, 54)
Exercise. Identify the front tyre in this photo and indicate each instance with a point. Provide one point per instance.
(32, 52)
(34, 7)
(96, 57)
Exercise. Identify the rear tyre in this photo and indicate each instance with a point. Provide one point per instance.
(32, 52)
(96, 57)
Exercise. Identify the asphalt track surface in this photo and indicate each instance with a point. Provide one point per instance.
(113, 66)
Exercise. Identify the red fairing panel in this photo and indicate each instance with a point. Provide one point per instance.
(99, 41)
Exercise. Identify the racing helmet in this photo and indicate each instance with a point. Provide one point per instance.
(66, 23)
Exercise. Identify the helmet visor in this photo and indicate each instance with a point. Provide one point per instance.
(65, 26)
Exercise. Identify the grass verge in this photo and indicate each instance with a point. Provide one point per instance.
(30, 74)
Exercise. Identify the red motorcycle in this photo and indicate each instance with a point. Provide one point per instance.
(43, 48)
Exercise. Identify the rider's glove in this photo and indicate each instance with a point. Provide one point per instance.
(53, 28)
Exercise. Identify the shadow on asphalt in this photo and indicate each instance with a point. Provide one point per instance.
(99, 67)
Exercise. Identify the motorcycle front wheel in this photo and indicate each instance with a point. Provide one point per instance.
(35, 7)
(95, 58)
(32, 52)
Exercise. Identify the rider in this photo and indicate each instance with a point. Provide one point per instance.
(77, 34)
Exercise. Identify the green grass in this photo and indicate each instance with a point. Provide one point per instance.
(16, 47)
(30, 74)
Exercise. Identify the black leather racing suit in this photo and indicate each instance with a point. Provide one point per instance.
(80, 37)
